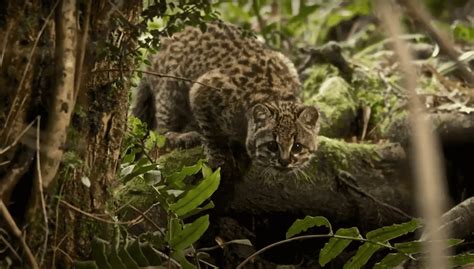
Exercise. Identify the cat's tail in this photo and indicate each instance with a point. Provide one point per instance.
(144, 105)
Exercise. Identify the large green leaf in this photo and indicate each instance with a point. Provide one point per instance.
(362, 256)
(151, 255)
(190, 233)
(461, 259)
(392, 260)
(127, 259)
(302, 225)
(197, 195)
(335, 246)
(115, 260)
(390, 232)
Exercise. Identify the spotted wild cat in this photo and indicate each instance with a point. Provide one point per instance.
(237, 91)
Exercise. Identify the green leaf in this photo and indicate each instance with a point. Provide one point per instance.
(179, 256)
(461, 259)
(302, 225)
(390, 232)
(463, 31)
(381, 235)
(197, 195)
(190, 233)
(335, 246)
(137, 254)
(99, 253)
(177, 178)
(362, 256)
(392, 260)
(85, 265)
(198, 210)
(139, 171)
(416, 246)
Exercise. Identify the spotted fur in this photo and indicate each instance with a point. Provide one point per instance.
(242, 93)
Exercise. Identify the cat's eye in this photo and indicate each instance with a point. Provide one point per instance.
(272, 146)
(297, 147)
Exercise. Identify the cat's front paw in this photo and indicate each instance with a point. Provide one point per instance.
(183, 140)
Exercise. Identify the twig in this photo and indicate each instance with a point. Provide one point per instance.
(9, 246)
(90, 215)
(428, 165)
(18, 138)
(314, 236)
(143, 214)
(360, 191)
(18, 234)
(5, 42)
(423, 18)
(13, 110)
(40, 188)
(155, 74)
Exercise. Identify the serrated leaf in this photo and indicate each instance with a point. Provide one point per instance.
(392, 260)
(335, 246)
(99, 253)
(137, 254)
(461, 259)
(390, 232)
(139, 171)
(302, 225)
(190, 233)
(85, 265)
(127, 258)
(151, 255)
(362, 256)
(197, 195)
(115, 260)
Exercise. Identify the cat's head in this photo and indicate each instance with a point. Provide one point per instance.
(282, 135)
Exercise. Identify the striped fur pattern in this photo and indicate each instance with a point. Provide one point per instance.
(242, 93)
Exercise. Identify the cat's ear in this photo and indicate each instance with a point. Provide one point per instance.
(309, 116)
(261, 113)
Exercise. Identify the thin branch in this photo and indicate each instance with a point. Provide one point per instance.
(314, 236)
(90, 215)
(41, 193)
(423, 18)
(5, 42)
(9, 246)
(18, 234)
(18, 138)
(155, 74)
(360, 191)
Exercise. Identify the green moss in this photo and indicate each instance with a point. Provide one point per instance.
(341, 155)
(316, 76)
(337, 106)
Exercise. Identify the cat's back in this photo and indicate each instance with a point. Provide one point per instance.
(193, 52)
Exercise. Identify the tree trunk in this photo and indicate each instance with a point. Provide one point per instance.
(42, 77)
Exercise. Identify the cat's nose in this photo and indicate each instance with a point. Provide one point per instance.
(284, 162)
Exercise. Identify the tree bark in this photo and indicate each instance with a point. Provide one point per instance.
(34, 58)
